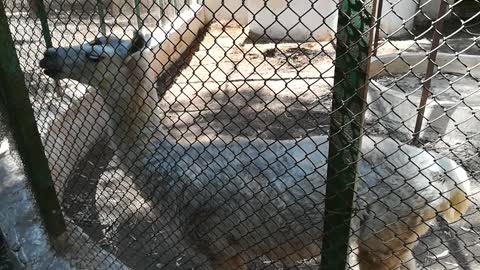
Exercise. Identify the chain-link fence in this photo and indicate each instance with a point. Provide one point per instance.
(260, 134)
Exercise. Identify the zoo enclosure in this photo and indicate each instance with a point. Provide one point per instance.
(395, 120)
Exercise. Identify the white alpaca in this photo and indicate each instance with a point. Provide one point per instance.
(235, 199)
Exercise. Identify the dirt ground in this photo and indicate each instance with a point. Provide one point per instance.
(231, 86)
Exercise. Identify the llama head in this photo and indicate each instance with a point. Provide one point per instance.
(94, 62)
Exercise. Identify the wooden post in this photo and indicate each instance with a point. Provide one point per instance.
(19, 115)
(353, 52)
(432, 57)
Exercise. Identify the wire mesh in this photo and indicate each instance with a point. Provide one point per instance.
(224, 165)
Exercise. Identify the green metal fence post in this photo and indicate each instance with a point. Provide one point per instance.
(42, 15)
(19, 114)
(101, 15)
(346, 128)
(137, 13)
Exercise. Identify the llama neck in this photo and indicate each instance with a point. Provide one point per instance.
(134, 108)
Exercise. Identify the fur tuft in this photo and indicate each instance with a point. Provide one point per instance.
(4, 147)
(458, 202)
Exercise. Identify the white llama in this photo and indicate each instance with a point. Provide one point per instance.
(235, 199)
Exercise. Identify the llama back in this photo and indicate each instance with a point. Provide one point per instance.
(246, 167)
(290, 171)
(254, 189)
(240, 169)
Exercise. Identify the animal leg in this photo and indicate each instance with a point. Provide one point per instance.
(370, 259)
(390, 248)
(233, 263)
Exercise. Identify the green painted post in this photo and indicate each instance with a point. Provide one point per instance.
(19, 114)
(42, 15)
(101, 15)
(346, 128)
(137, 13)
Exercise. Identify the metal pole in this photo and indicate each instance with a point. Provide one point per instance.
(39, 8)
(353, 52)
(19, 114)
(432, 57)
(101, 15)
(137, 13)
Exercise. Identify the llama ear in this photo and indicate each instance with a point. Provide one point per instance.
(138, 43)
